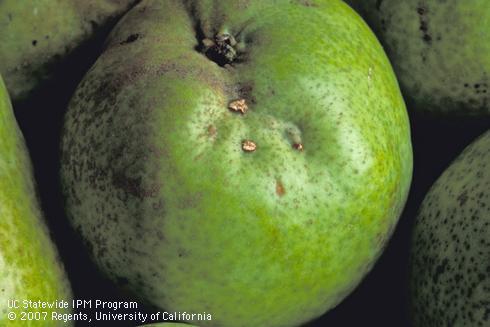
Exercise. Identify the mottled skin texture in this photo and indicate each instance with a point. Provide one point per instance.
(450, 260)
(29, 267)
(439, 51)
(36, 35)
(158, 185)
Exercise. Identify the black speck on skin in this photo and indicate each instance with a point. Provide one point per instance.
(440, 269)
(462, 198)
(424, 23)
(130, 39)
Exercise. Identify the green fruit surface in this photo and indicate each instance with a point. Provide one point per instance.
(36, 35)
(439, 51)
(158, 185)
(29, 267)
(450, 260)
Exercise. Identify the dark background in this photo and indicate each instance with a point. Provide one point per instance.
(380, 300)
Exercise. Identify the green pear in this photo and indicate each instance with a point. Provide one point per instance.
(450, 259)
(36, 35)
(246, 159)
(439, 51)
(29, 265)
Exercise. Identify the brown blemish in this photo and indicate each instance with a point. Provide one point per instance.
(249, 146)
(307, 3)
(280, 191)
(239, 105)
(211, 130)
(245, 91)
(298, 146)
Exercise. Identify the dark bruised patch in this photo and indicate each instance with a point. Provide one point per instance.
(245, 88)
(130, 39)
(34, 43)
(133, 186)
(280, 191)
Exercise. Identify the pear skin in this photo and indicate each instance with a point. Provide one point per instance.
(246, 159)
(29, 265)
(37, 35)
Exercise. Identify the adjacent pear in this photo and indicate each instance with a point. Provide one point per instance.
(439, 50)
(29, 266)
(36, 35)
(450, 260)
(246, 159)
